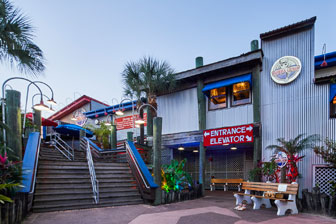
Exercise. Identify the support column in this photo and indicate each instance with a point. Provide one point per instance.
(37, 120)
(202, 126)
(149, 122)
(142, 130)
(257, 144)
(114, 136)
(13, 121)
(157, 137)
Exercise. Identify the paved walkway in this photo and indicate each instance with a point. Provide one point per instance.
(216, 207)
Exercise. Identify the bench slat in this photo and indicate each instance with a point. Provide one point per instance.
(258, 196)
(229, 181)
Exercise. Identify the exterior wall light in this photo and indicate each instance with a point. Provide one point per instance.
(119, 112)
(195, 150)
(180, 148)
(233, 148)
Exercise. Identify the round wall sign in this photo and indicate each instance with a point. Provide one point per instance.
(286, 69)
(281, 159)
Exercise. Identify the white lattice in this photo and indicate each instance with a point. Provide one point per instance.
(323, 175)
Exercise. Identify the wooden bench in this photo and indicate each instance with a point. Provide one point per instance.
(282, 204)
(225, 182)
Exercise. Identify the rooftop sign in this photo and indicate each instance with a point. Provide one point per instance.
(228, 135)
(286, 69)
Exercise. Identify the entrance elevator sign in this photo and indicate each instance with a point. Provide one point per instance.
(228, 135)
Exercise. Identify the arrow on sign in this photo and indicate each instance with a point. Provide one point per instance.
(206, 134)
(248, 138)
(249, 128)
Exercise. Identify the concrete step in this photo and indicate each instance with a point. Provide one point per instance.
(81, 181)
(48, 208)
(78, 191)
(84, 176)
(53, 186)
(56, 198)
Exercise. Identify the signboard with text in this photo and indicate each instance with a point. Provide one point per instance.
(228, 135)
(127, 121)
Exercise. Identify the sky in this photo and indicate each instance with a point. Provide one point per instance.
(87, 43)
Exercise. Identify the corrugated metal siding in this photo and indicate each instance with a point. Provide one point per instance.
(179, 111)
(229, 116)
(296, 108)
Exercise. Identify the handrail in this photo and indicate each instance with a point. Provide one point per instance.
(60, 143)
(94, 181)
(140, 171)
(30, 162)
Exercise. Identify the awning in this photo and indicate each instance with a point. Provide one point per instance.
(45, 121)
(332, 91)
(72, 130)
(227, 82)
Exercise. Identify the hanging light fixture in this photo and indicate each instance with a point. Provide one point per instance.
(41, 106)
(139, 121)
(195, 150)
(181, 148)
(233, 148)
(119, 112)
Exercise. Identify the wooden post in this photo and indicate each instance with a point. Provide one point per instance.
(114, 136)
(256, 111)
(157, 139)
(142, 129)
(202, 126)
(308, 199)
(13, 121)
(316, 198)
(149, 121)
(130, 136)
(37, 120)
(283, 174)
(332, 206)
(324, 199)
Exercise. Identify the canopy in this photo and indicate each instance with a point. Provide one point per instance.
(72, 130)
(332, 91)
(45, 121)
(227, 82)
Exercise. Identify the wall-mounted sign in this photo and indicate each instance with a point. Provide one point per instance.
(286, 69)
(127, 121)
(228, 135)
(281, 159)
(80, 117)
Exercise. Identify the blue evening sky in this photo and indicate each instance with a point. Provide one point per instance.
(86, 43)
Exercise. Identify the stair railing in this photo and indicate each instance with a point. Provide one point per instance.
(63, 147)
(141, 173)
(94, 181)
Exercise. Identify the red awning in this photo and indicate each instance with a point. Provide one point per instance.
(45, 122)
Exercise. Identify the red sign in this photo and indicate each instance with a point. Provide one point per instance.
(228, 135)
(127, 121)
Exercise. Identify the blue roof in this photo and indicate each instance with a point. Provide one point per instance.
(111, 109)
(227, 82)
(329, 57)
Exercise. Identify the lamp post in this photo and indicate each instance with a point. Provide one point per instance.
(50, 100)
(4, 101)
(37, 112)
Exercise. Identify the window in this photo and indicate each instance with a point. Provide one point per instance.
(241, 93)
(218, 98)
(333, 108)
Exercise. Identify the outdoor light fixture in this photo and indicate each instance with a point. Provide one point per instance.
(107, 123)
(41, 106)
(119, 112)
(52, 102)
(195, 150)
(180, 148)
(137, 126)
(233, 148)
(140, 121)
(74, 119)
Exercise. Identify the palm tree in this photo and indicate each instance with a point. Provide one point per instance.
(16, 45)
(147, 78)
(292, 148)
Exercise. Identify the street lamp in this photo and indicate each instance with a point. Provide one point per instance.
(122, 113)
(141, 120)
(39, 106)
(4, 101)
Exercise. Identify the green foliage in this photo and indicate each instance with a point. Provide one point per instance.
(333, 188)
(174, 178)
(102, 133)
(16, 45)
(327, 152)
(268, 169)
(255, 174)
(147, 77)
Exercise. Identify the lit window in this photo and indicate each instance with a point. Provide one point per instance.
(217, 98)
(241, 93)
(333, 108)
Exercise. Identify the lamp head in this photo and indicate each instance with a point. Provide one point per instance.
(140, 121)
(119, 113)
(52, 102)
(41, 106)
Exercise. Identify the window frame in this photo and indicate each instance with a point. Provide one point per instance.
(249, 101)
(217, 105)
(332, 109)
